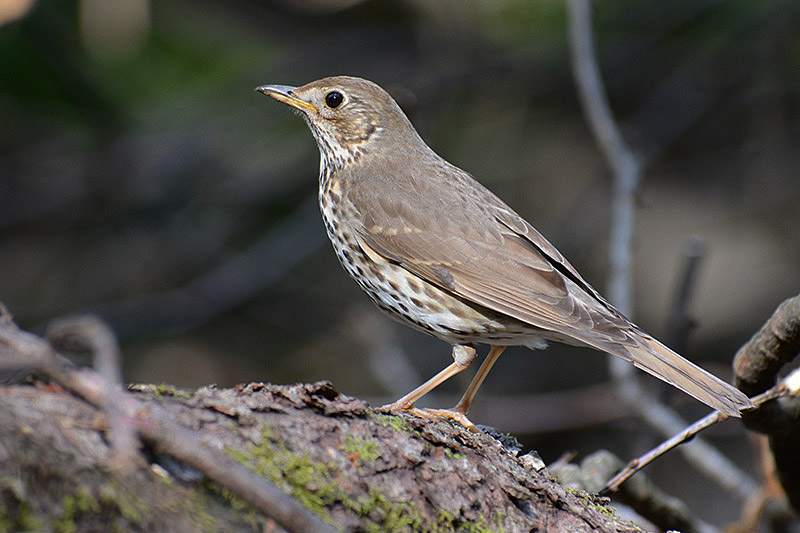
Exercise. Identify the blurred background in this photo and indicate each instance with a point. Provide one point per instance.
(142, 179)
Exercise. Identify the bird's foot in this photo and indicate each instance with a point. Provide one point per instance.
(449, 414)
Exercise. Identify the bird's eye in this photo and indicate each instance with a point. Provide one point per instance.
(334, 99)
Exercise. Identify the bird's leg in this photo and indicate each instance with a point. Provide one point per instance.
(462, 357)
(459, 412)
(466, 400)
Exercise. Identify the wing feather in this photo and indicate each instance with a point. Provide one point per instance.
(477, 248)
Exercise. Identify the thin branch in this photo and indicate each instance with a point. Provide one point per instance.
(594, 100)
(156, 428)
(686, 435)
(626, 168)
(665, 511)
(90, 332)
(679, 320)
(623, 161)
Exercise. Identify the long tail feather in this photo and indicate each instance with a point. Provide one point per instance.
(658, 360)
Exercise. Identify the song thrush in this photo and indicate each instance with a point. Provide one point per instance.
(436, 250)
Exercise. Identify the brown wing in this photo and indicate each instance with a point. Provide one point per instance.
(445, 227)
(461, 237)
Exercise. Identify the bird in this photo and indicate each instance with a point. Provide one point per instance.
(438, 251)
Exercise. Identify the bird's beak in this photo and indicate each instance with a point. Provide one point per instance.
(285, 94)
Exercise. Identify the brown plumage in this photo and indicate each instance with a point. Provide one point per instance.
(435, 249)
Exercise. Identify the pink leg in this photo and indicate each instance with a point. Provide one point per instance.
(466, 400)
(462, 358)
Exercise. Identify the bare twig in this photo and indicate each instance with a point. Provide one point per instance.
(686, 435)
(100, 340)
(88, 331)
(665, 511)
(778, 408)
(626, 168)
(679, 321)
(624, 165)
(159, 431)
(704, 457)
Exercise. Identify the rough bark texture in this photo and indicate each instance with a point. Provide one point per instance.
(358, 469)
(757, 365)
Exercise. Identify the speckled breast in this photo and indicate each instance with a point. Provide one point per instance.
(408, 298)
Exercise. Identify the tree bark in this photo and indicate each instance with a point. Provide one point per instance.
(358, 469)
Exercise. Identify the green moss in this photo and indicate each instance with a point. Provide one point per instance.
(163, 389)
(311, 483)
(20, 518)
(360, 450)
(127, 503)
(402, 517)
(111, 496)
(599, 503)
(395, 422)
(386, 515)
(73, 505)
(244, 509)
(603, 505)
(317, 486)
(452, 454)
(447, 522)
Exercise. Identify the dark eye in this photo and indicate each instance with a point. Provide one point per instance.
(334, 99)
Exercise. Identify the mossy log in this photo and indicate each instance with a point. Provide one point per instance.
(358, 469)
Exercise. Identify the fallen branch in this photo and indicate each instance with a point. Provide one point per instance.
(154, 426)
(757, 365)
(288, 450)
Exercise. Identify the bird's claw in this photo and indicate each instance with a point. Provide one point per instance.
(449, 414)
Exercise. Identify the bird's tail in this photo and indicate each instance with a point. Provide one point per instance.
(654, 358)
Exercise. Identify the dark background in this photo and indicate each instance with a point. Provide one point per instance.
(141, 178)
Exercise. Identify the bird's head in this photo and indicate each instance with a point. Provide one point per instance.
(348, 116)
